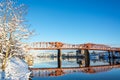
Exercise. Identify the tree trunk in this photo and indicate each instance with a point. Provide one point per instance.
(5, 60)
(4, 64)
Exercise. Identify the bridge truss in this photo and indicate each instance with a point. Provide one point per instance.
(64, 46)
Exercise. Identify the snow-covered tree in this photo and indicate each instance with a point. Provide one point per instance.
(13, 29)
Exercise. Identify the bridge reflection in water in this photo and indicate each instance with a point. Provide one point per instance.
(86, 68)
(58, 72)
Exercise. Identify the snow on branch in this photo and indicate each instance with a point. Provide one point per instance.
(13, 28)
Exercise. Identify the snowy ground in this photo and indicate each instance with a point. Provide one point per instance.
(17, 69)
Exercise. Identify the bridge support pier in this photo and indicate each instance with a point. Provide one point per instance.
(111, 57)
(87, 58)
(59, 58)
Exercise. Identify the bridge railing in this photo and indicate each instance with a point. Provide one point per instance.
(60, 45)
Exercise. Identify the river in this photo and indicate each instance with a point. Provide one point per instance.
(99, 68)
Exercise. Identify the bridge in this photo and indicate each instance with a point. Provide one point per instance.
(64, 46)
(81, 49)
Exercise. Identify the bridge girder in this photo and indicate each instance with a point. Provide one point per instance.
(60, 45)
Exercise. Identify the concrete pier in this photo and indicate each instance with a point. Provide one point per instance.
(87, 58)
(59, 58)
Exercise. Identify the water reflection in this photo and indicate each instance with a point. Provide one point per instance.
(88, 63)
(58, 72)
(92, 66)
(74, 62)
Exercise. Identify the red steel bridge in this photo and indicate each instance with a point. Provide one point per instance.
(64, 46)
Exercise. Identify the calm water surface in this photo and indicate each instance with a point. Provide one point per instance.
(111, 73)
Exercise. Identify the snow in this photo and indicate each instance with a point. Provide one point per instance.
(16, 69)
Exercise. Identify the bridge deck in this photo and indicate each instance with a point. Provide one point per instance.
(64, 46)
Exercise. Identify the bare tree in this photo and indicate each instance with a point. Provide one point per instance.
(13, 29)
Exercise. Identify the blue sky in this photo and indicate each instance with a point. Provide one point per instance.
(75, 21)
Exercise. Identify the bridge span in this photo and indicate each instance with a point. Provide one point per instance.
(64, 46)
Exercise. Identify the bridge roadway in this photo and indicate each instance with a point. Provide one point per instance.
(64, 46)
(61, 71)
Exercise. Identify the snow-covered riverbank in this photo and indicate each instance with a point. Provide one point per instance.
(16, 69)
